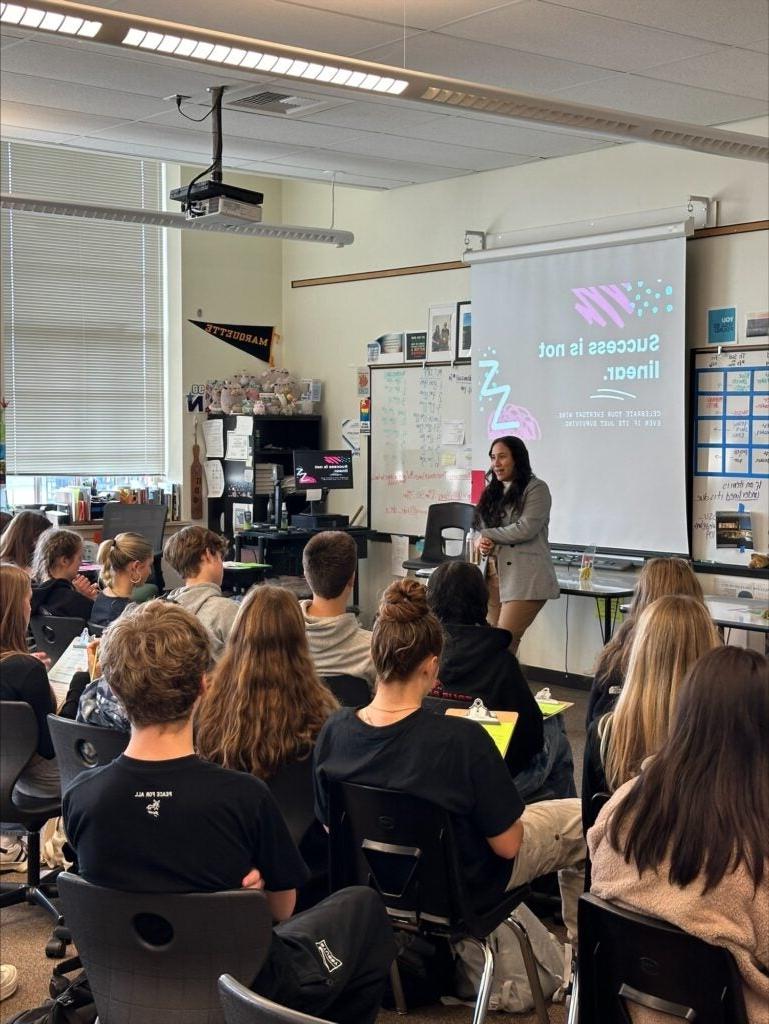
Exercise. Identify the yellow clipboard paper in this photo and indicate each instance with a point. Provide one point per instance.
(549, 708)
(501, 731)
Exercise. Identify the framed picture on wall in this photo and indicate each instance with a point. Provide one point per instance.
(440, 333)
(391, 348)
(464, 347)
(416, 346)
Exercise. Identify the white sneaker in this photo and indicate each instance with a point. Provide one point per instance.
(13, 854)
(9, 980)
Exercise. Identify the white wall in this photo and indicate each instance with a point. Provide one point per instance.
(327, 327)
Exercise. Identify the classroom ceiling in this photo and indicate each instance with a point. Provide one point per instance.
(698, 61)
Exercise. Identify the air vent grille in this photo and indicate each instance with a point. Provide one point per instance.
(266, 101)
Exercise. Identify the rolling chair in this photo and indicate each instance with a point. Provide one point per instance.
(80, 746)
(628, 959)
(446, 516)
(54, 633)
(26, 815)
(156, 958)
(350, 691)
(241, 1006)
(292, 788)
(405, 848)
(147, 520)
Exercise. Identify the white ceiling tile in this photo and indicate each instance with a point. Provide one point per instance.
(375, 167)
(271, 128)
(638, 95)
(27, 88)
(382, 116)
(560, 32)
(66, 122)
(736, 22)
(191, 141)
(433, 152)
(759, 45)
(418, 14)
(737, 71)
(506, 138)
(99, 145)
(25, 134)
(448, 55)
(292, 172)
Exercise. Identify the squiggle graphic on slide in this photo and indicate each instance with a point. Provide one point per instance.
(615, 393)
(503, 390)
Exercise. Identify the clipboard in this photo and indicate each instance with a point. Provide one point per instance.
(501, 731)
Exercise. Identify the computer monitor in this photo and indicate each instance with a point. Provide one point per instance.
(329, 469)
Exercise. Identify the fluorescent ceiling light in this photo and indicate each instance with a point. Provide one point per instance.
(158, 218)
(50, 20)
(115, 28)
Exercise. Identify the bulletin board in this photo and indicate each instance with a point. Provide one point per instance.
(420, 451)
(730, 445)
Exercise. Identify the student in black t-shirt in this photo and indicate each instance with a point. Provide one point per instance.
(58, 588)
(159, 819)
(395, 744)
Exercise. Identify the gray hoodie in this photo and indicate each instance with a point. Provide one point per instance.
(339, 646)
(216, 612)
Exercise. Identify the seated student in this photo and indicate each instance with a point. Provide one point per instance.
(126, 562)
(208, 829)
(23, 678)
(197, 555)
(658, 578)
(264, 705)
(393, 743)
(57, 586)
(338, 645)
(19, 539)
(476, 659)
(687, 840)
(669, 637)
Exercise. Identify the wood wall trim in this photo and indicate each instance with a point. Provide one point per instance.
(435, 268)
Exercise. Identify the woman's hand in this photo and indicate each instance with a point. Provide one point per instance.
(485, 546)
(42, 656)
(84, 586)
(92, 656)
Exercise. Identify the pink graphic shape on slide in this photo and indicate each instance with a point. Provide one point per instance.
(307, 479)
(527, 429)
(332, 460)
(598, 302)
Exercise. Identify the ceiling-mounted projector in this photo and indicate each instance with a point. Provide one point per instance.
(214, 200)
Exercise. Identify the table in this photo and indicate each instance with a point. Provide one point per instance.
(603, 586)
(738, 612)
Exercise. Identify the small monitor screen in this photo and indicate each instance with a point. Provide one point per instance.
(323, 469)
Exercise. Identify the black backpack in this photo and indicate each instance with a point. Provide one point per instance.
(71, 1001)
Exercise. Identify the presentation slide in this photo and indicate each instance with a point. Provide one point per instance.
(581, 355)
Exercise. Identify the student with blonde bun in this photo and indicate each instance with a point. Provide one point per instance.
(58, 588)
(126, 562)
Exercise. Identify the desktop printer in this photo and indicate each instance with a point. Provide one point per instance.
(320, 521)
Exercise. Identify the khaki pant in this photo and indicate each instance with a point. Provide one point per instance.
(515, 616)
(553, 841)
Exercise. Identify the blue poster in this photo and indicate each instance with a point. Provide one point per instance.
(722, 325)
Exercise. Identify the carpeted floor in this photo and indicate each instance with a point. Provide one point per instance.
(24, 930)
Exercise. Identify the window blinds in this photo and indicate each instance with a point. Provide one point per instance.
(82, 319)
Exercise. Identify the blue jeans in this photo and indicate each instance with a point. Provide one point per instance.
(552, 769)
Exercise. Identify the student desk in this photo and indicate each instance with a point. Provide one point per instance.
(738, 613)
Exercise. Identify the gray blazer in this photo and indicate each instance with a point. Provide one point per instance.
(523, 554)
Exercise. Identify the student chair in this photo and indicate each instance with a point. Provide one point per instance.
(80, 746)
(241, 1006)
(350, 691)
(147, 520)
(156, 958)
(54, 633)
(448, 524)
(23, 814)
(629, 959)
(405, 848)
(292, 788)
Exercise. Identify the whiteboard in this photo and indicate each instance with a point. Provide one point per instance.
(421, 449)
(730, 447)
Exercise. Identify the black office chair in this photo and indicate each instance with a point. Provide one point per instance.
(454, 516)
(241, 1006)
(95, 629)
(147, 520)
(80, 746)
(405, 848)
(22, 814)
(156, 958)
(292, 787)
(350, 691)
(628, 959)
(54, 633)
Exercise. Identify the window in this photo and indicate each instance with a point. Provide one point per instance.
(82, 319)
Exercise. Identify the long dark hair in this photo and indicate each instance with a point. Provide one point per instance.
(704, 799)
(495, 500)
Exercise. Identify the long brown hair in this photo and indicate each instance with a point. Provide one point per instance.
(14, 588)
(19, 538)
(264, 704)
(704, 799)
(658, 578)
(672, 633)
(495, 500)
(52, 546)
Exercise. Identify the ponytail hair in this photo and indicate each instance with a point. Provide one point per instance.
(405, 633)
(117, 553)
(51, 546)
